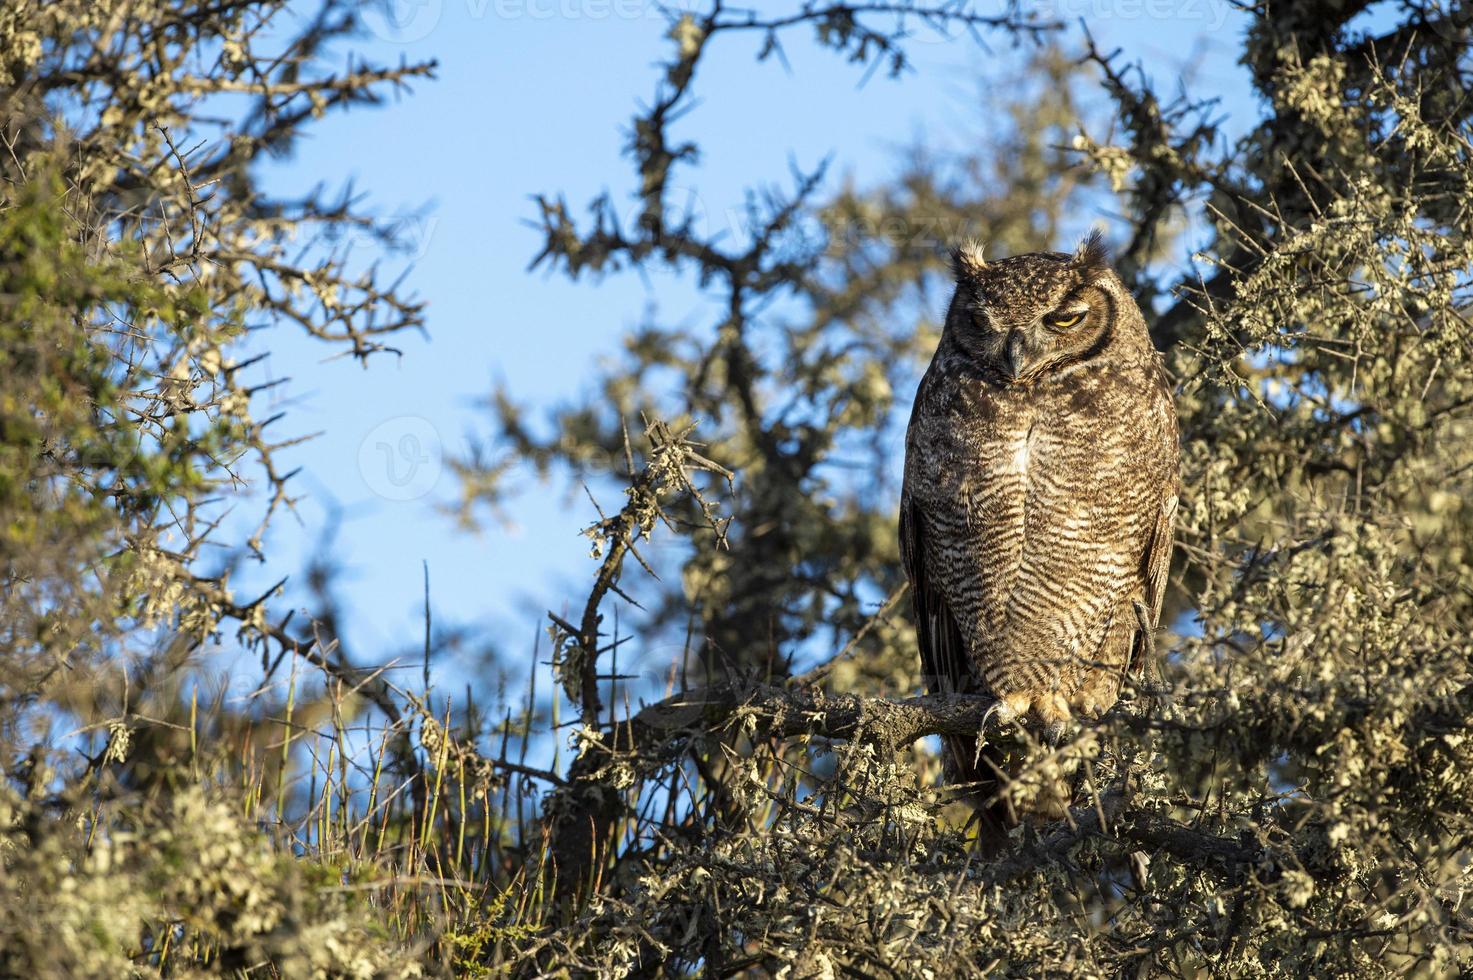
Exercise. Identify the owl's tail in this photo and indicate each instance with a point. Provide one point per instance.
(948, 667)
(983, 768)
(985, 774)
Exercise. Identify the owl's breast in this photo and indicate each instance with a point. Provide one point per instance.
(1052, 469)
(966, 435)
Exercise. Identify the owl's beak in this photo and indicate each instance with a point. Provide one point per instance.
(1015, 355)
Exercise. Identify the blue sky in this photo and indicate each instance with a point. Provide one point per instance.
(535, 96)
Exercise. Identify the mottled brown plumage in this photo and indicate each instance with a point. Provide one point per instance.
(1040, 487)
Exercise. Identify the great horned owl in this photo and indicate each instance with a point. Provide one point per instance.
(1040, 487)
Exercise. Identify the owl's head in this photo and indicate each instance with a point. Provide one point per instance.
(1030, 315)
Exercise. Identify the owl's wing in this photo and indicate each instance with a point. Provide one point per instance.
(1155, 566)
(1156, 562)
(943, 654)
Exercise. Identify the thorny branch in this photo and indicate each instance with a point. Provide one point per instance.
(582, 834)
(671, 461)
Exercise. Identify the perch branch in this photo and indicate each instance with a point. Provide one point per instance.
(780, 712)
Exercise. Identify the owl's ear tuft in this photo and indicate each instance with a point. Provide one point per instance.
(967, 259)
(1091, 256)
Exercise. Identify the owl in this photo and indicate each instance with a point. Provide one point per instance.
(1041, 477)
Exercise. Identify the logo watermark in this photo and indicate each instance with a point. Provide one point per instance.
(401, 458)
(401, 21)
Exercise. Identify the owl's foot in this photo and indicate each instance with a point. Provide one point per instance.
(1008, 709)
(1096, 695)
(1053, 717)
(1049, 711)
(1091, 708)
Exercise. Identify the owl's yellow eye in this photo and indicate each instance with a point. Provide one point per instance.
(1063, 320)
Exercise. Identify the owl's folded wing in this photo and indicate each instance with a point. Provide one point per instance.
(1155, 567)
(944, 659)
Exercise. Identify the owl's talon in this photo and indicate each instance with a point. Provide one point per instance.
(1007, 710)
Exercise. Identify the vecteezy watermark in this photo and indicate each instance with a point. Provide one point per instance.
(402, 236)
(563, 9)
(401, 459)
(407, 21)
(1211, 13)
